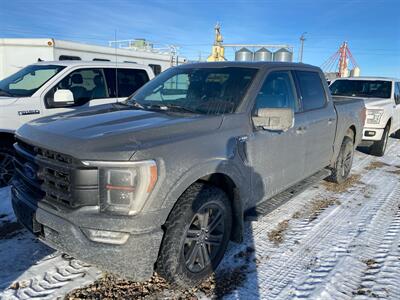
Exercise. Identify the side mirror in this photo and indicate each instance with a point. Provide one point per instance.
(279, 119)
(63, 96)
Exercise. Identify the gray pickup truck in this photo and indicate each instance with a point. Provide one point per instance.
(163, 180)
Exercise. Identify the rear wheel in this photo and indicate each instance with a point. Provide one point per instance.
(397, 134)
(196, 236)
(344, 162)
(6, 165)
(378, 148)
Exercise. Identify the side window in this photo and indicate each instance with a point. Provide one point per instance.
(129, 80)
(85, 85)
(311, 89)
(69, 57)
(277, 92)
(397, 93)
(156, 68)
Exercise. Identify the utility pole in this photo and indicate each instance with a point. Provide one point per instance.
(302, 39)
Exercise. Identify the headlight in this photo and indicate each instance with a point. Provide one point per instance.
(125, 187)
(374, 116)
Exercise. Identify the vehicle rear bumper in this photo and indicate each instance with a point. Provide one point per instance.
(134, 259)
(372, 134)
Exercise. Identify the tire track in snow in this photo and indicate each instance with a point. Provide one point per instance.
(52, 277)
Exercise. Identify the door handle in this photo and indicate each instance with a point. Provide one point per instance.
(330, 121)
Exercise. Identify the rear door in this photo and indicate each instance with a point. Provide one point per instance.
(276, 157)
(319, 133)
(124, 82)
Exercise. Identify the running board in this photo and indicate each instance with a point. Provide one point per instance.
(267, 206)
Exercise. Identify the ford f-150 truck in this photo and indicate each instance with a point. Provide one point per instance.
(163, 180)
(49, 88)
(382, 100)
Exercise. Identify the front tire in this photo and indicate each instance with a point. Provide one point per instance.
(378, 148)
(6, 165)
(344, 162)
(197, 233)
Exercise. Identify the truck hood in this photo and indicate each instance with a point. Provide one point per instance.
(7, 100)
(369, 102)
(108, 133)
(377, 102)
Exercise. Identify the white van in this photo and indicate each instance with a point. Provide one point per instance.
(48, 88)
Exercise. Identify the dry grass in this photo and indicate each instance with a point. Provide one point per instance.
(314, 209)
(353, 180)
(395, 172)
(376, 165)
(277, 235)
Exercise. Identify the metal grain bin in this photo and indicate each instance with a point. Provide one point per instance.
(263, 54)
(283, 55)
(244, 54)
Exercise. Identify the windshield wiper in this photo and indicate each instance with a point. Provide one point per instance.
(131, 103)
(175, 107)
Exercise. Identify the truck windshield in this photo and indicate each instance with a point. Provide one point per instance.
(196, 90)
(361, 88)
(28, 80)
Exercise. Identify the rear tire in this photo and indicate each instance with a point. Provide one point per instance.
(196, 235)
(378, 148)
(344, 161)
(6, 165)
(396, 135)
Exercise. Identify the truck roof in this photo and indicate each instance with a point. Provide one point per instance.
(252, 64)
(367, 78)
(93, 63)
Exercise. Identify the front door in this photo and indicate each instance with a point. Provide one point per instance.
(276, 157)
(88, 86)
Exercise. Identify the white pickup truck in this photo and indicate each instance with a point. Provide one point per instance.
(48, 88)
(382, 100)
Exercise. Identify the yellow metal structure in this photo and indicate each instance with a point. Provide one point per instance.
(218, 50)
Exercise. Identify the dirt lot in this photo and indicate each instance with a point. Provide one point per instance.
(330, 242)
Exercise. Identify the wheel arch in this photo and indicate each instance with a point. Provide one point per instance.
(6, 138)
(223, 175)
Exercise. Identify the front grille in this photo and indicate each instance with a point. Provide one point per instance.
(45, 173)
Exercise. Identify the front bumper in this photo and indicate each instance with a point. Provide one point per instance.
(62, 230)
(372, 134)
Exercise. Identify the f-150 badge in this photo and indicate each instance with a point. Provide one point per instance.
(28, 112)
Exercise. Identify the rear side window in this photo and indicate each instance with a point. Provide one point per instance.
(69, 57)
(156, 68)
(311, 90)
(129, 81)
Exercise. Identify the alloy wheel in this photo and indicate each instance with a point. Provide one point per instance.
(204, 237)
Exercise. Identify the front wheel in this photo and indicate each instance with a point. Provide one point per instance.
(344, 162)
(6, 165)
(196, 236)
(378, 148)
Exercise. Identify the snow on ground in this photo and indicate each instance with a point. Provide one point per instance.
(329, 242)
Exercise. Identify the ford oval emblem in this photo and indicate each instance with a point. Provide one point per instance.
(29, 171)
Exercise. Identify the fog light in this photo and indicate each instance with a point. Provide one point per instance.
(108, 237)
(370, 133)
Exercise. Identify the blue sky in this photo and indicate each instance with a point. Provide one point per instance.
(371, 27)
